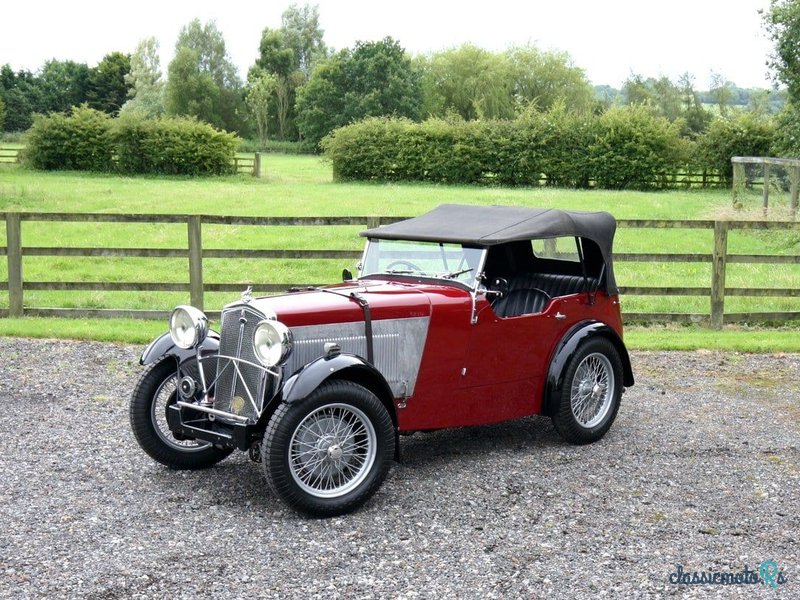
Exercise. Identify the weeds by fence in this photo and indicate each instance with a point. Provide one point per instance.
(194, 252)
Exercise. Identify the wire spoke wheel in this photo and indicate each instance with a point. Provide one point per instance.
(590, 397)
(154, 392)
(592, 392)
(164, 396)
(332, 450)
(328, 453)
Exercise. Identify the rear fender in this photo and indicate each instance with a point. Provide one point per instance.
(163, 347)
(568, 347)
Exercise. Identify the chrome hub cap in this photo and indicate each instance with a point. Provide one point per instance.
(592, 391)
(332, 450)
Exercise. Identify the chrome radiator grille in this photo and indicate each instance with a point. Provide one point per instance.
(240, 386)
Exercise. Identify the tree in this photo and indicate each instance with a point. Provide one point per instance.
(782, 21)
(2, 113)
(470, 81)
(202, 82)
(290, 53)
(22, 96)
(146, 88)
(304, 37)
(697, 118)
(637, 90)
(543, 78)
(260, 92)
(107, 89)
(63, 84)
(721, 92)
(667, 97)
(372, 79)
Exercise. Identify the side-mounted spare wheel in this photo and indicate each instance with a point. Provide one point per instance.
(591, 392)
(155, 390)
(328, 453)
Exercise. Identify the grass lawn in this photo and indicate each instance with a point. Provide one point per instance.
(297, 185)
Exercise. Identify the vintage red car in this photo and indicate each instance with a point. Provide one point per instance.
(465, 315)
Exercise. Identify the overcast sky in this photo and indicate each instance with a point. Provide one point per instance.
(608, 38)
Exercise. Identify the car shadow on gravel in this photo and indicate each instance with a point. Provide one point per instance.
(429, 449)
(237, 481)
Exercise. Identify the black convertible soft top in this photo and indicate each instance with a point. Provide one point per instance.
(486, 226)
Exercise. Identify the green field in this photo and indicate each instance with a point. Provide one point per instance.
(303, 186)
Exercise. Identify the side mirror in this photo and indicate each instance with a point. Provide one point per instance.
(347, 275)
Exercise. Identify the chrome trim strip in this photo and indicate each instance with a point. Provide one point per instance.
(211, 411)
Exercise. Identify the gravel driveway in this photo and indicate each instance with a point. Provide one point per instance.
(701, 469)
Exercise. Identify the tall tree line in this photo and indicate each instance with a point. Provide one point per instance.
(300, 89)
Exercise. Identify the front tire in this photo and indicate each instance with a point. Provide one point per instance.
(591, 393)
(327, 454)
(153, 393)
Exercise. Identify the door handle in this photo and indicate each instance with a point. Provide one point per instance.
(560, 317)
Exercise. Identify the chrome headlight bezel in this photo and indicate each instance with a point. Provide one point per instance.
(188, 326)
(272, 342)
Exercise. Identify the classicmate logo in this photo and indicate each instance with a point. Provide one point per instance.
(768, 573)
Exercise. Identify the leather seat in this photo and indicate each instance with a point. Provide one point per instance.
(530, 293)
(521, 301)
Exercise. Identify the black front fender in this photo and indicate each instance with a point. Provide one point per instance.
(567, 348)
(163, 347)
(309, 378)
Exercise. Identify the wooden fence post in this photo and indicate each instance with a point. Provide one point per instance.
(738, 181)
(794, 179)
(14, 256)
(765, 192)
(718, 265)
(373, 222)
(257, 165)
(195, 262)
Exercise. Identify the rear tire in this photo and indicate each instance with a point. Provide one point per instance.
(591, 393)
(327, 454)
(153, 393)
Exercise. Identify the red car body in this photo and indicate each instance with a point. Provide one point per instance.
(458, 386)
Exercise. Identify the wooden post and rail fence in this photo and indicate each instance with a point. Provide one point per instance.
(740, 178)
(248, 165)
(15, 251)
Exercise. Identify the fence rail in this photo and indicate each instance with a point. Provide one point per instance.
(194, 253)
(9, 155)
(249, 165)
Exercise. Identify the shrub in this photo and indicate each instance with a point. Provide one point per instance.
(79, 140)
(624, 148)
(566, 137)
(634, 148)
(172, 146)
(742, 134)
(786, 134)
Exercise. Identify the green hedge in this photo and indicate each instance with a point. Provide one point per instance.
(172, 146)
(743, 134)
(626, 147)
(80, 140)
(89, 140)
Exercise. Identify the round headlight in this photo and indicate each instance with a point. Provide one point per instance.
(187, 326)
(272, 342)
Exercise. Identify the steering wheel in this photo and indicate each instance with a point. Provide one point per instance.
(499, 286)
(403, 263)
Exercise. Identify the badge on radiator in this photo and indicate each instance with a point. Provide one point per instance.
(237, 404)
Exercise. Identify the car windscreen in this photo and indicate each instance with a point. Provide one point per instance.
(450, 261)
